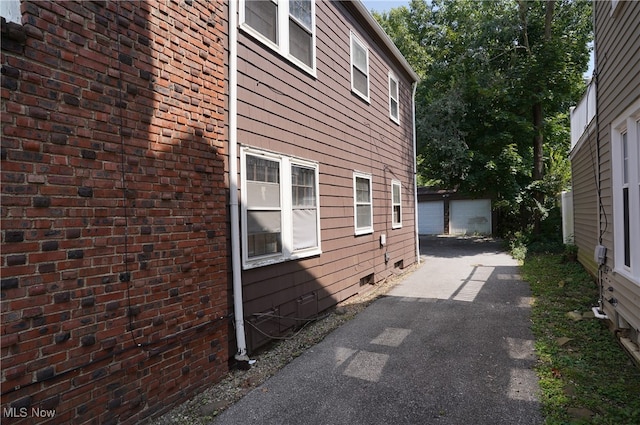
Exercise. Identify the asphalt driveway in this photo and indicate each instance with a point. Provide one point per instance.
(450, 344)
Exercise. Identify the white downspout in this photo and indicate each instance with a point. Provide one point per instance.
(415, 171)
(236, 269)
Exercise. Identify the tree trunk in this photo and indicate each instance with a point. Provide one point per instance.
(538, 162)
(538, 125)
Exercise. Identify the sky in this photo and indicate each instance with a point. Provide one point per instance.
(384, 5)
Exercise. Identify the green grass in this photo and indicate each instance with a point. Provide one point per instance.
(588, 379)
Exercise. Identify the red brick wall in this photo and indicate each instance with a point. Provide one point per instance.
(113, 161)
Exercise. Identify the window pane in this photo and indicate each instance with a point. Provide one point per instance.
(301, 10)
(362, 190)
(393, 88)
(263, 195)
(305, 228)
(363, 216)
(625, 159)
(300, 43)
(360, 82)
(625, 221)
(394, 108)
(262, 170)
(359, 57)
(263, 244)
(261, 15)
(263, 233)
(303, 186)
(263, 222)
(396, 214)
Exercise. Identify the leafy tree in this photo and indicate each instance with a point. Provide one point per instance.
(498, 78)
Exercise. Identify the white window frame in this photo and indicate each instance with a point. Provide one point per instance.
(281, 46)
(10, 10)
(286, 207)
(628, 123)
(363, 230)
(396, 224)
(354, 39)
(394, 97)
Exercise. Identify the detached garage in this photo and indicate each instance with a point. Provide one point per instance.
(470, 217)
(446, 212)
(431, 217)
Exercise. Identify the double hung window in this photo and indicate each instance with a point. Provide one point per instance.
(396, 205)
(625, 149)
(280, 208)
(394, 106)
(286, 26)
(359, 68)
(363, 205)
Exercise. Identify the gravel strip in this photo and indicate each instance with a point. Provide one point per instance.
(204, 407)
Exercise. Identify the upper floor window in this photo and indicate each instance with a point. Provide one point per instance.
(394, 108)
(280, 208)
(363, 204)
(286, 26)
(359, 68)
(625, 148)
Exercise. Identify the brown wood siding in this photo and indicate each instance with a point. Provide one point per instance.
(618, 62)
(283, 109)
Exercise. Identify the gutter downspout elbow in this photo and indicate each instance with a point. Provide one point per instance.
(236, 269)
(415, 170)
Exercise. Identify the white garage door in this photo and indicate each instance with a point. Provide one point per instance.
(431, 218)
(470, 217)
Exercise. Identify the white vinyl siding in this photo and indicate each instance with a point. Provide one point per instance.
(280, 208)
(626, 192)
(359, 68)
(363, 203)
(286, 26)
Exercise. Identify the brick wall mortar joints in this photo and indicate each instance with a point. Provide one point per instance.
(63, 173)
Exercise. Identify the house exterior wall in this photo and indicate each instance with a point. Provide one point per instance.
(285, 110)
(585, 199)
(113, 159)
(618, 88)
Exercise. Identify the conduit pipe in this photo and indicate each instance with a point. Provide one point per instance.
(415, 171)
(236, 270)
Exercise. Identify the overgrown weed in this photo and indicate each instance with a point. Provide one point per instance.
(585, 375)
